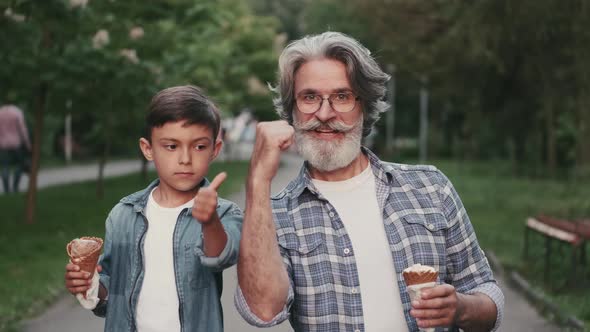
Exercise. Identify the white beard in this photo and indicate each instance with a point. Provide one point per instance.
(326, 155)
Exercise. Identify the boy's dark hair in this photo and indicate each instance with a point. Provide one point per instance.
(182, 103)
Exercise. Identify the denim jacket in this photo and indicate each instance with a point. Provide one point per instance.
(198, 278)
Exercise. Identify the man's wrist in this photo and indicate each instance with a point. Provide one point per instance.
(462, 314)
(258, 179)
(475, 312)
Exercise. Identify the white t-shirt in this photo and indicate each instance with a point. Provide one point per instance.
(355, 201)
(157, 306)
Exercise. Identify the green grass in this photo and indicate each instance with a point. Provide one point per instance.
(33, 257)
(498, 205)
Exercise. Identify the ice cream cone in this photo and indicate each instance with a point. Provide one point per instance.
(417, 277)
(86, 250)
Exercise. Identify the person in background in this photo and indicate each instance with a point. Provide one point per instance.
(14, 145)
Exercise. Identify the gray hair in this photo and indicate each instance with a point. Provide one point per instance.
(366, 78)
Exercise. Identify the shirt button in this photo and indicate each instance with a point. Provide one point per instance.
(430, 226)
(331, 214)
(353, 291)
(346, 251)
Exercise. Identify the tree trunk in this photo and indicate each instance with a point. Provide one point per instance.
(471, 124)
(583, 155)
(40, 104)
(101, 165)
(583, 105)
(144, 169)
(551, 139)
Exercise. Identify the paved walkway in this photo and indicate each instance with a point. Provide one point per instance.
(78, 173)
(66, 315)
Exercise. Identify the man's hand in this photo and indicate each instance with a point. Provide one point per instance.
(438, 306)
(78, 281)
(271, 139)
(205, 203)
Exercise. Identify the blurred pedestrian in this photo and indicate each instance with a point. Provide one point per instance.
(14, 145)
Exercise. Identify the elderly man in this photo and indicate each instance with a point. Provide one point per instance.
(329, 250)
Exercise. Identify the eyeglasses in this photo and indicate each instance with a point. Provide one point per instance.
(341, 102)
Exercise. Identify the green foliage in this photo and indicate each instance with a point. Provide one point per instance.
(508, 67)
(289, 12)
(103, 61)
(503, 75)
(498, 204)
(219, 45)
(34, 256)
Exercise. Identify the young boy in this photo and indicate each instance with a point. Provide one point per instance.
(165, 246)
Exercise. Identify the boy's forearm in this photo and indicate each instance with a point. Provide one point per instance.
(102, 292)
(101, 307)
(214, 238)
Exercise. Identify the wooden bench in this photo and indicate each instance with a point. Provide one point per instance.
(574, 233)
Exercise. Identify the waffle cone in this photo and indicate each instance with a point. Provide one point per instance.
(415, 278)
(87, 261)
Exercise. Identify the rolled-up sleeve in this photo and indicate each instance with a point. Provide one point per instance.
(254, 320)
(491, 290)
(231, 217)
(246, 313)
(467, 265)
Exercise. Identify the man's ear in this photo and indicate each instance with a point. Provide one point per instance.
(146, 148)
(217, 148)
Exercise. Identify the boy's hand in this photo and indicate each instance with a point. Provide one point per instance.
(78, 281)
(205, 205)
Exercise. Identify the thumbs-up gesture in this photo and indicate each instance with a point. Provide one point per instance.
(205, 204)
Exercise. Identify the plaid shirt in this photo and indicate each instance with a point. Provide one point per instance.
(425, 223)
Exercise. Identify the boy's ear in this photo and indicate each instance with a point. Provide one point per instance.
(217, 149)
(146, 148)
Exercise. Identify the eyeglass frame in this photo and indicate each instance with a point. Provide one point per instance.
(330, 102)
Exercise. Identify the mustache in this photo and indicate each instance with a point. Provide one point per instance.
(315, 124)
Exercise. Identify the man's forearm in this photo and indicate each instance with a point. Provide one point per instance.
(262, 275)
(476, 312)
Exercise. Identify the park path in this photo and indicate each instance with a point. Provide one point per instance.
(78, 173)
(65, 315)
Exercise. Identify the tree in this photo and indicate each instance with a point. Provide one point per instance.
(513, 68)
(40, 27)
(222, 47)
(94, 55)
